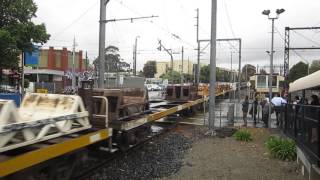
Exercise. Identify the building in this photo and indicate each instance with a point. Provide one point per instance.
(54, 66)
(164, 66)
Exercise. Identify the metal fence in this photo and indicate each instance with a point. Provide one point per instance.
(302, 123)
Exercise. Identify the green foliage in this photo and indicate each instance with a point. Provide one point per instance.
(205, 74)
(17, 31)
(150, 69)
(315, 66)
(280, 148)
(8, 50)
(113, 61)
(26, 83)
(297, 71)
(221, 74)
(243, 135)
(175, 78)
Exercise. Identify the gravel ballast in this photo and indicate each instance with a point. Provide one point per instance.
(159, 158)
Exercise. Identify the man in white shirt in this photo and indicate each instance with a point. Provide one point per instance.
(278, 103)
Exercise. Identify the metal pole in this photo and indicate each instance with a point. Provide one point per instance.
(22, 74)
(198, 50)
(86, 61)
(182, 59)
(135, 57)
(171, 72)
(73, 65)
(213, 65)
(239, 78)
(102, 38)
(271, 71)
(231, 77)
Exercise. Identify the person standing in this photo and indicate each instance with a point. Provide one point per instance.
(245, 108)
(278, 102)
(254, 110)
(265, 111)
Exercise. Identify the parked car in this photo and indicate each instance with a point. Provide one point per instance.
(153, 87)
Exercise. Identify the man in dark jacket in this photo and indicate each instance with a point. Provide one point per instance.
(245, 108)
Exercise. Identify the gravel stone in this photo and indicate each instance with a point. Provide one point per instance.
(160, 158)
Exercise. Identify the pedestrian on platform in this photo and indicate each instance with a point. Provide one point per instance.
(245, 108)
(278, 103)
(314, 100)
(254, 110)
(265, 111)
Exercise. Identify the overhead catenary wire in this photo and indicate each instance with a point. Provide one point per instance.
(171, 34)
(305, 37)
(76, 20)
(299, 55)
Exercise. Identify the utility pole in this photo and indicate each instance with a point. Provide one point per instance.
(240, 47)
(135, 57)
(231, 78)
(169, 51)
(213, 65)
(22, 73)
(197, 80)
(188, 65)
(73, 65)
(102, 39)
(239, 80)
(182, 59)
(87, 63)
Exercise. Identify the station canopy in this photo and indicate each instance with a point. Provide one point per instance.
(308, 82)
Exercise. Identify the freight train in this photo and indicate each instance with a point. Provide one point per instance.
(49, 134)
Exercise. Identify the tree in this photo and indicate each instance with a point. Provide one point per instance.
(297, 71)
(222, 75)
(174, 78)
(150, 69)
(113, 61)
(248, 70)
(17, 31)
(315, 66)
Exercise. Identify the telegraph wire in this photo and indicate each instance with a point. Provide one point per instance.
(76, 20)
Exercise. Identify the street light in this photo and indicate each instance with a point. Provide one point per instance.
(267, 13)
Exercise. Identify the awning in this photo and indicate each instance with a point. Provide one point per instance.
(307, 82)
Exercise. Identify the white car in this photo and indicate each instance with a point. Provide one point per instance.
(153, 87)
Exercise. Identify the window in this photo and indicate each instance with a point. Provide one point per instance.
(261, 81)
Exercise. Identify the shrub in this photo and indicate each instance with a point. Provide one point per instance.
(280, 148)
(242, 135)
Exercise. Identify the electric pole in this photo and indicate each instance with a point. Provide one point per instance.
(87, 63)
(102, 39)
(73, 65)
(182, 59)
(213, 65)
(169, 51)
(135, 57)
(197, 80)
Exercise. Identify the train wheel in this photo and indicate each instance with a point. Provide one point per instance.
(56, 169)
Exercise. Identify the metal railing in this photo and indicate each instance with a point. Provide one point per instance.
(302, 123)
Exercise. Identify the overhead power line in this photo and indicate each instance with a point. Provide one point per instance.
(75, 20)
(305, 37)
(171, 34)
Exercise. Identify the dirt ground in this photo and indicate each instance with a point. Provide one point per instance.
(227, 159)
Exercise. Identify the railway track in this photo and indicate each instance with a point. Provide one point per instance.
(161, 128)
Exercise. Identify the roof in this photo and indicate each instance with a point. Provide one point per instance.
(307, 82)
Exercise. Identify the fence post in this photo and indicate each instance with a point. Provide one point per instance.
(318, 136)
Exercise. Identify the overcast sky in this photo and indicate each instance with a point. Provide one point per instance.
(65, 19)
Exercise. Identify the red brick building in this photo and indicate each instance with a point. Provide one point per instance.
(55, 66)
